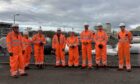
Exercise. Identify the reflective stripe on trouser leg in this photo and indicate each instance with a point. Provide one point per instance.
(21, 71)
(13, 73)
(84, 53)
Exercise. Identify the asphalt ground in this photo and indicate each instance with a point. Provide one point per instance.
(52, 75)
(50, 59)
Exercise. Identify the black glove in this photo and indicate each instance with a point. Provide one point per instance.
(63, 49)
(119, 37)
(126, 34)
(41, 44)
(72, 46)
(100, 46)
(54, 50)
(23, 51)
(11, 54)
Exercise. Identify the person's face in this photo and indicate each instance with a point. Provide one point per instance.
(40, 31)
(100, 28)
(72, 34)
(16, 29)
(86, 27)
(122, 28)
(59, 32)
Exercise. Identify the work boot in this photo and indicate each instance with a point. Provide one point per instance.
(83, 67)
(15, 76)
(129, 70)
(120, 69)
(97, 66)
(27, 68)
(24, 74)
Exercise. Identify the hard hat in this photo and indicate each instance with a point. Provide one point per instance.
(58, 29)
(86, 24)
(40, 29)
(15, 25)
(121, 24)
(99, 24)
(25, 33)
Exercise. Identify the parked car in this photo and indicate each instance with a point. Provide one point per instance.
(110, 51)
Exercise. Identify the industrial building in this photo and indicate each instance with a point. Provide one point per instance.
(4, 28)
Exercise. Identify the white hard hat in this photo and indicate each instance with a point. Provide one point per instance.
(40, 28)
(99, 24)
(86, 24)
(58, 28)
(25, 33)
(15, 25)
(121, 24)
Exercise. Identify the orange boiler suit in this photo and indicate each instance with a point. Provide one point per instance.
(28, 49)
(101, 38)
(15, 46)
(124, 48)
(86, 40)
(73, 43)
(39, 49)
(58, 44)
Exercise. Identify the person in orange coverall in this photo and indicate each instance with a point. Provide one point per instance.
(86, 40)
(27, 48)
(125, 38)
(72, 43)
(58, 45)
(39, 42)
(100, 39)
(15, 49)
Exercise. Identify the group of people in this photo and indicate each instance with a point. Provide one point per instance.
(19, 48)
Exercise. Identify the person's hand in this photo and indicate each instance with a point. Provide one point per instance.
(11, 54)
(63, 49)
(85, 43)
(100, 46)
(41, 44)
(54, 50)
(23, 51)
(72, 46)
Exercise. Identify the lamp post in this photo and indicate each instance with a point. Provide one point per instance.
(15, 17)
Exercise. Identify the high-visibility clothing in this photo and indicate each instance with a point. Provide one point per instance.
(101, 38)
(15, 46)
(73, 43)
(86, 40)
(124, 48)
(58, 43)
(39, 49)
(28, 49)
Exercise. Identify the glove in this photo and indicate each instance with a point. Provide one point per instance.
(41, 44)
(54, 50)
(63, 49)
(11, 54)
(100, 46)
(72, 46)
(126, 34)
(85, 43)
(23, 51)
(119, 37)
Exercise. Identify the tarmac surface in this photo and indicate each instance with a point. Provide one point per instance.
(51, 75)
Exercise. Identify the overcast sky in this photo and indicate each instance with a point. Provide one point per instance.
(70, 13)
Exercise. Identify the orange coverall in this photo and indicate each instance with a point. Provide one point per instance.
(73, 51)
(28, 49)
(101, 54)
(39, 50)
(58, 43)
(86, 39)
(124, 48)
(15, 46)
